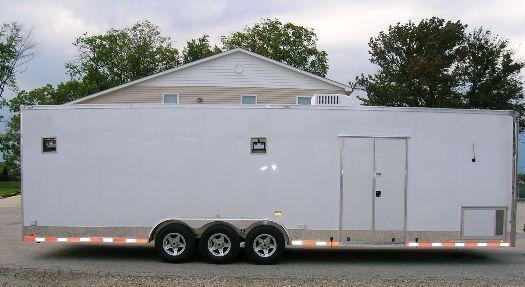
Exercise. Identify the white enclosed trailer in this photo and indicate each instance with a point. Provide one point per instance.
(268, 175)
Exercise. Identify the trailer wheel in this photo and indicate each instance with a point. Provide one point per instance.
(219, 244)
(175, 243)
(264, 245)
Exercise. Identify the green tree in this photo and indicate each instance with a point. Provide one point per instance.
(10, 145)
(198, 48)
(16, 50)
(121, 56)
(489, 73)
(437, 63)
(288, 43)
(4, 176)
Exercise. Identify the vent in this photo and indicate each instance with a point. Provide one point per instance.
(333, 100)
(327, 99)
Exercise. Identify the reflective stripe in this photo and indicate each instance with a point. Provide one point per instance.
(457, 244)
(85, 239)
(315, 243)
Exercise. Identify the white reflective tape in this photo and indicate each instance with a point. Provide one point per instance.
(413, 244)
(320, 243)
(40, 239)
(459, 244)
(107, 239)
(62, 239)
(297, 242)
(504, 244)
(437, 244)
(483, 244)
(84, 239)
(131, 240)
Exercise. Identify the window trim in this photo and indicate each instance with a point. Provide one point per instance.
(297, 100)
(250, 95)
(170, 94)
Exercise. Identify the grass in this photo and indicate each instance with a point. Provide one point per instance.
(9, 188)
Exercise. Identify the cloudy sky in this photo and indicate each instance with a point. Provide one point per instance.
(343, 27)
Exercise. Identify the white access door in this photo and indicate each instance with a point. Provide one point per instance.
(390, 177)
(373, 182)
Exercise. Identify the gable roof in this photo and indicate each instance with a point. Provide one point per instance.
(211, 58)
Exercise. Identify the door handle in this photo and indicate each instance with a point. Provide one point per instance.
(378, 193)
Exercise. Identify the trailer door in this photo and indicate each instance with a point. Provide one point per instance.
(373, 182)
(389, 193)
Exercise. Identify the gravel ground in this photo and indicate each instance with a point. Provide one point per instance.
(26, 264)
(31, 277)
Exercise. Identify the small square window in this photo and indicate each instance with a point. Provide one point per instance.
(49, 144)
(258, 145)
(171, 98)
(304, 100)
(248, 99)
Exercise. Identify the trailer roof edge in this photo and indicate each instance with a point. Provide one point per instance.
(201, 106)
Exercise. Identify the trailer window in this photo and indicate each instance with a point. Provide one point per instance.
(49, 145)
(171, 98)
(258, 145)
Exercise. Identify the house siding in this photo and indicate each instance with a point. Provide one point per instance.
(238, 70)
(209, 94)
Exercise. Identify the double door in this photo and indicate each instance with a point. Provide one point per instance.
(373, 184)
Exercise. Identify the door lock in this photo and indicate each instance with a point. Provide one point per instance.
(378, 193)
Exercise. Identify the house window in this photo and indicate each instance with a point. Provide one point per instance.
(171, 98)
(304, 100)
(248, 99)
(49, 145)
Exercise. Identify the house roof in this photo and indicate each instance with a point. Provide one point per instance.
(211, 58)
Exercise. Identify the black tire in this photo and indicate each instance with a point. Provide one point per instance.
(175, 253)
(219, 244)
(264, 254)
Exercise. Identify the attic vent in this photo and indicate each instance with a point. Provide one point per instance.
(332, 100)
(327, 99)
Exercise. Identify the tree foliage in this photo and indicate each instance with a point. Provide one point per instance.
(288, 43)
(122, 55)
(437, 63)
(16, 50)
(199, 48)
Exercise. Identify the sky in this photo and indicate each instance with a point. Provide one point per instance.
(343, 27)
